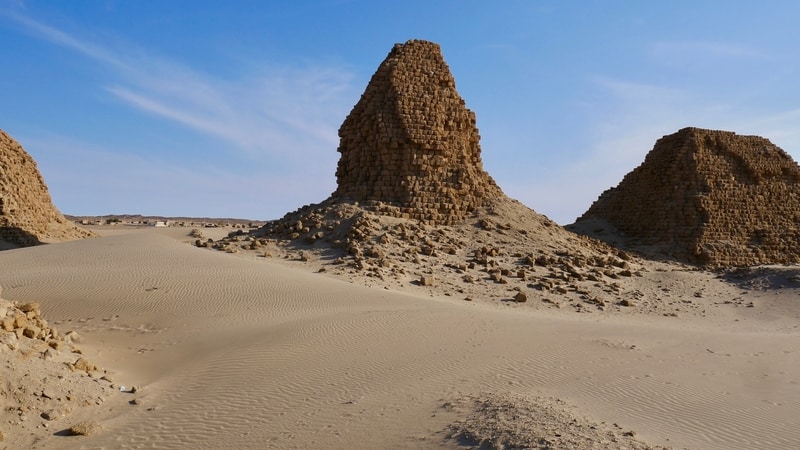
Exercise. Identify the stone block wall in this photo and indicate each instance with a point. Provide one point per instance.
(411, 144)
(27, 213)
(710, 197)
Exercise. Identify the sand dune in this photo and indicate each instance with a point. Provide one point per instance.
(241, 352)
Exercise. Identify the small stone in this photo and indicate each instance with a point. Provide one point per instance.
(521, 297)
(29, 307)
(31, 331)
(49, 354)
(83, 364)
(625, 302)
(426, 280)
(84, 429)
(50, 415)
(20, 321)
(72, 337)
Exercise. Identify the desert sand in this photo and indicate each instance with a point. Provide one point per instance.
(417, 307)
(239, 350)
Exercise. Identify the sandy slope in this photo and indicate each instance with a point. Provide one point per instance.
(245, 352)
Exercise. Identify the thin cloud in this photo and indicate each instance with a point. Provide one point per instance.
(631, 91)
(63, 39)
(277, 113)
(207, 125)
(704, 49)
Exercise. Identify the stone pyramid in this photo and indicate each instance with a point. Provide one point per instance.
(711, 198)
(411, 143)
(27, 214)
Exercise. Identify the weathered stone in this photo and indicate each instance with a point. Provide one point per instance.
(20, 320)
(708, 197)
(84, 429)
(411, 144)
(49, 354)
(426, 280)
(521, 297)
(31, 331)
(27, 214)
(30, 307)
(84, 365)
(51, 414)
(72, 337)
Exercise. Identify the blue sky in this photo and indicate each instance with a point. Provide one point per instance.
(231, 109)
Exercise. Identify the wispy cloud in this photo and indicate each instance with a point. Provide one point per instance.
(63, 39)
(705, 49)
(280, 123)
(631, 91)
(275, 113)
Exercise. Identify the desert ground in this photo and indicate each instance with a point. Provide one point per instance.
(198, 348)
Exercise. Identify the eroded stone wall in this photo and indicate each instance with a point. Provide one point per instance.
(411, 143)
(27, 214)
(710, 197)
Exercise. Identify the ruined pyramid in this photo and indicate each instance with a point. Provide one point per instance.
(415, 207)
(27, 214)
(708, 197)
(411, 143)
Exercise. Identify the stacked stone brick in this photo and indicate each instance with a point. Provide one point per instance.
(710, 197)
(27, 214)
(410, 146)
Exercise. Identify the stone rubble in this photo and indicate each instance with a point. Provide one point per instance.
(46, 381)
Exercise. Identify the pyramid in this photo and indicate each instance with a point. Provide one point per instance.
(27, 214)
(711, 198)
(411, 143)
(414, 206)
